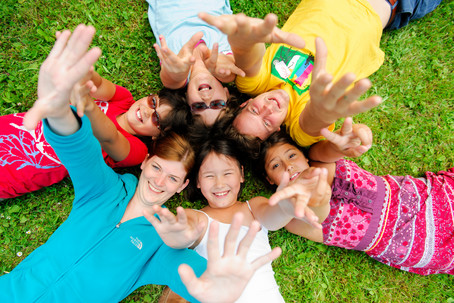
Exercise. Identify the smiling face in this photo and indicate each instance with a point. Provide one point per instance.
(219, 180)
(160, 180)
(263, 115)
(139, 117)
(204, 87)
(284, 157)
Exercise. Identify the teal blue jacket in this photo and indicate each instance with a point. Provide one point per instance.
(90, 258)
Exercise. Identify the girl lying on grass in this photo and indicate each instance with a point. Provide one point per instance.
(29, 163)
(218, 176)
(106, 248)
(194, 54)
(401, 221)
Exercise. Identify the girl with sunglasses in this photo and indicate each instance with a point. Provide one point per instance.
(121, 125)
(200, 64)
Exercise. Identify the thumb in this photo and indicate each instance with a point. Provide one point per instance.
(285, 180)
(33, 116)
(187, 276)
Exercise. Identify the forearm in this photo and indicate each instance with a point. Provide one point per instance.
(250, 60)
(105, 88)
(272, 217)
(65, 124)
(111, 140)
(173, 81)
(311, 123)
(324, 151)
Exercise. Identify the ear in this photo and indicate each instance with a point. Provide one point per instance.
(227, 93)
(245, 103)
(242, 174)
(144, 162)
(183, 186)
(269, 180)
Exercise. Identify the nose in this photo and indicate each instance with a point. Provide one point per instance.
(288, 166)
(160, 180)
(219, 181)
(267, 107)
(206, 95)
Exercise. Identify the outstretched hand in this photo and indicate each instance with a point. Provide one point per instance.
(352, 140)
(222, 66)
(177, 66)
(244, 32)
(226, 276)
(331, 101)
(80, 94)
(175, 231)
(310, 189)
(67, 63)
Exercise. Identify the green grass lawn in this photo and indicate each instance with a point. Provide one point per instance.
(413, 132)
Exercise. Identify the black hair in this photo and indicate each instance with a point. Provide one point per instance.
(178, 119)
(279, 137)
(206, 140)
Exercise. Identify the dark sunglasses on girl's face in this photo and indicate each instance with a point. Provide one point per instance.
(201, 106)
(154, 116)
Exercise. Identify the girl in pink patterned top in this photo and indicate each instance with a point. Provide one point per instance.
(401, 221)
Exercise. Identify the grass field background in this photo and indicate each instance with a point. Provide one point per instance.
(413, 133)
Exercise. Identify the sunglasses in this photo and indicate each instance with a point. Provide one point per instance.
(154, 116)
(201, 106)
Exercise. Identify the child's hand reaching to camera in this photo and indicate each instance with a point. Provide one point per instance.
(351, 140)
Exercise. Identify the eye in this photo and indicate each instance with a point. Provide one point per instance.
(254, 111)
(292, 155)
(274, 166)
(173, 179)
(267, 124)
(155, 167)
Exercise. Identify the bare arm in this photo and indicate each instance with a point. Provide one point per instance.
(247, 37)
(112, 141)
(352, 140)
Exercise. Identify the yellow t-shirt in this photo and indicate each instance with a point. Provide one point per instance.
(351, 30)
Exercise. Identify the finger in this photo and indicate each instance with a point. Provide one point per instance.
(334, 138)
(365, 135)
(214, 56)
(347, 126)
(365, 105)
(188, 277)
(237, 71)
(190, 45)
(232, 235)
(151, 218)
(157, 48)
(338, 92)
(78, 44)
(35, 114)
(321, 55)
(181, 216)
(226, 24)
(311, 218)
(320, 189)
(269, 257)
(213, 243)
(60, 44)
(285, 180)
(246, 242)
(84, 64)
(301, 203)
(285, 193)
